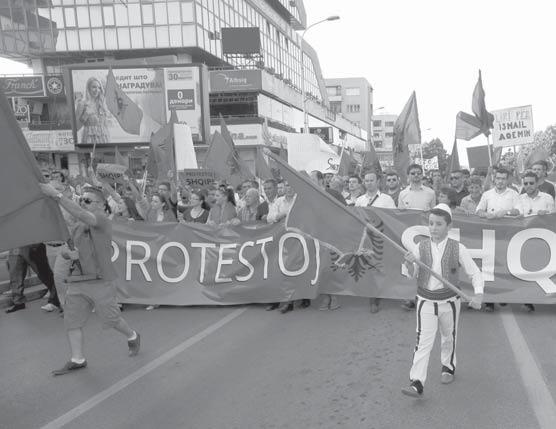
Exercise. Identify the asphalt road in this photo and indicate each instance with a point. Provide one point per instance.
(243, 367)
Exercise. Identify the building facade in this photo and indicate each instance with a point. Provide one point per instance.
(383, 137)
(52, 35)
(352, 98)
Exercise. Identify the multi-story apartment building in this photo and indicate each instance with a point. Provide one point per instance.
(353, 98)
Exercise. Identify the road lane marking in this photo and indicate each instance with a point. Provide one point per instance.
(533, 381)
(141, 372)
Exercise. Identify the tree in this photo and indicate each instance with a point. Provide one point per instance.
(436, 148)
(542, 139)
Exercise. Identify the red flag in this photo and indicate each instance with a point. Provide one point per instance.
(479, 108)
(23, 202)
(262, 170)
(454, 159)
(348, 164)
(370, 162)
(224, 160)
(124, 109)
(315, 213)
(467, 126)
(406, 132)
(162, 150)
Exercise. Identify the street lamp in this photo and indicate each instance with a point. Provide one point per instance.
(304, 98)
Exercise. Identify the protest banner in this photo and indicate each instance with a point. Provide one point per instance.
(428, 164)
(111, 173)
(196, 177)
(194, 264)
(513, 126)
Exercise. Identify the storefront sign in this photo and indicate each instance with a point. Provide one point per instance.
(235, 80)
(23, 86)
(513, 126)
(49, 140)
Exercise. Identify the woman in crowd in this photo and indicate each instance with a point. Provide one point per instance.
(158, 210)
(224, 210)
(91, 114)
(448, 196)
(197, 211)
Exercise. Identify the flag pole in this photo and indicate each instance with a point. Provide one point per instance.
(489, 151)
(374, 230)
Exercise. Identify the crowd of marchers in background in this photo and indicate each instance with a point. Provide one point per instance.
(488, 194)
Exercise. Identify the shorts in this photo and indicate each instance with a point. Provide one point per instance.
(81, 298)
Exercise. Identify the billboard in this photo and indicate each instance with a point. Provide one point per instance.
(235, 80)
(156, 90)
(513, 126)
(241, 40)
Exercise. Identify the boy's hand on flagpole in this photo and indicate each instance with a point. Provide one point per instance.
(476, 301)
(410, 257)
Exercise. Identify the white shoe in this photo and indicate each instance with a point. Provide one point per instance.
(151, 307)
(49, 308)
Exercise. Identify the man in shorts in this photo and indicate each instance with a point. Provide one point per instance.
(94, 289)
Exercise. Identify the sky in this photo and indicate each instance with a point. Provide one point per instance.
(436, 48)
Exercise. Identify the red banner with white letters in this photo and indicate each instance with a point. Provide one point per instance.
(176, 264)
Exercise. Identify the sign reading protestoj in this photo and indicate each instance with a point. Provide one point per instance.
(513, 126)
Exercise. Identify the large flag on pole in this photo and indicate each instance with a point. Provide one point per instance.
(315, 213)
(406, 132)
(467, 126)
(27, 216)
(124, 109)
(224, 160)
(479, 108)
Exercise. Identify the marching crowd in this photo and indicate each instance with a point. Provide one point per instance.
(80, 280)
(489, 195)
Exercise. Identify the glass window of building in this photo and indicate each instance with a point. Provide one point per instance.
(120, 11)
(85, 39)
(123, 38)
(134, 13)
(136, 37)
(174, 13)
(389, 134)
(111, 39)
(82, 16)
(96, 17)
(377, 123)
(69, 14)
(187, 12)
(161, 13)
(108, 12)
(353, 91)
(147, 11)
(389, 123)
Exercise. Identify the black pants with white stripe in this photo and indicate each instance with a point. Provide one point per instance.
(430, 316)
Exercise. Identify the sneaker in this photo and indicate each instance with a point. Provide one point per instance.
(334, 305)
(446, 378)
(151, 307)
(305, 303)
(415, 389)
(16, 307)
(409, 305)
(134, 345)
(529, 308)
(69, 367)
(325, 304)
(272, 306)
(49, 307)
(287, 308)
